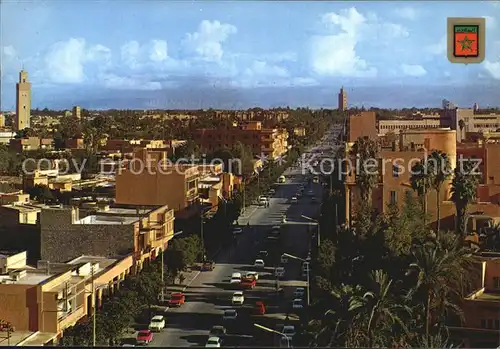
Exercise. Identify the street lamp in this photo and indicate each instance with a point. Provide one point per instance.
(274, 331)
(162, 295)
(317, 224)
(308, 281)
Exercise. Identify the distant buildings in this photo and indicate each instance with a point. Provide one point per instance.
(77, 112)
(342, 105)
(271, 142)
(23, 102)
(2, 120)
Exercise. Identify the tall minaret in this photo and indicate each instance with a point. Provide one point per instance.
(342, 100)
(23, 102)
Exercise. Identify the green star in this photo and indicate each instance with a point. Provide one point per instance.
(466, 43)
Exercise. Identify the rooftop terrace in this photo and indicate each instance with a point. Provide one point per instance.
(108, 220)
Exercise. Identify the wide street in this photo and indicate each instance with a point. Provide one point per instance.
(208, 295)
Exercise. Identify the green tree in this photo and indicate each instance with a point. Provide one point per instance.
(463, 192)
(439, 171)
(421, 181)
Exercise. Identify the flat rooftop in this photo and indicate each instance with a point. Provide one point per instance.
(33, 277)
(25, 208)
(108, 220)
(102, 261)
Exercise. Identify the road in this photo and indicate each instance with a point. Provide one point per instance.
(208, 296)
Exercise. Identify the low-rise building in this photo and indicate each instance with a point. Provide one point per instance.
(273, 143)
(19, 145)
(6, 137)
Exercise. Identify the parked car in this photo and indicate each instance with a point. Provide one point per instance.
(279, 272)
(259, 263)
(208, 266)
(262, 254)
(289, 331)
(218, 331)
(144, 337)
(229, 314)
(252, 274)
(248, 283)
(297, 304)
(213, 342)
(299, 292)
(238, 298)
(177, 299)
(157, 323)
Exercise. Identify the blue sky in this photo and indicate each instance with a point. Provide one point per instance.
(189, 54)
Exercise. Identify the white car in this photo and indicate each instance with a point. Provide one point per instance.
(279, 272)
(229, 314)
(259, 263)
(213, 342)
(289, 331)
(299, 292)
(297, 303)
(252, 274)
(238, 298)
(235, 278)
(294, 200)
(157, 323)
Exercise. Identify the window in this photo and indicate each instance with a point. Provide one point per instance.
(395, 171)
(393, 197)
(496, 283)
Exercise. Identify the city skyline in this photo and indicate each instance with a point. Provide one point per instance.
(238, 55)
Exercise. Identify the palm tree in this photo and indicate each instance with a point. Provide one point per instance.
(439, 266)
(382, 307)
(421, 182)
(463, 192)
(365, 150)
(461, 125)
(439, 168)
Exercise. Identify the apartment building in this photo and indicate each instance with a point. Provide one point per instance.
(482, 306)
(19, 145)
(42, 301)
(271, 142)
(50, 178)
(125, 146)
(361, 125)
(150, 179)
(109, 232)
(394, 179)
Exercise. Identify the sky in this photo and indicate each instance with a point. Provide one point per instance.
(239, 54)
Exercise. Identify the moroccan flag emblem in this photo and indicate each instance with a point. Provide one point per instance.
(466, 41)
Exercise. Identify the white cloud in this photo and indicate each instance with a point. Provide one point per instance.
(493, 68)
(207, 41)
(414, 70)
(130, 53)
(335, 53)
(262, 69)
(407, 13)
(125, 83)
(158, 51)
(65, 61)
(9, 52)
(438, 48)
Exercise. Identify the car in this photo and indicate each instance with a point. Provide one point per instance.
(213, 342)
(252, 274)
(144, 337)
(218, 331)
(157, 323)
(289, 331)
(276, 228)
(262, 254)
(237, 231)
(297, 303)
(229, 314)
(238, 298)
(263, 200)
(248, 283)
(313, 199)
(284, 259)
(299, 292)
(208, 266)
(260, 308)
(294, 200)
(308, 259)
(235, 278)
(259, 263)
(310, 193)
(279, 272)
(177, 299)
(272, 191)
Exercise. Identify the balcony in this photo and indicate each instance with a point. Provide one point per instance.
(69, 319)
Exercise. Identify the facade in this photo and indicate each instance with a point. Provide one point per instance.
(23, 102)
(124, 146)
(42, 301)
(148, 179)
(271, 142)
(2, 120)
(342, 105)
(19, 145)
(109, 232)
(361, 125)
(396, 126)
(6, 137)
(394, 179)
(77, 112)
